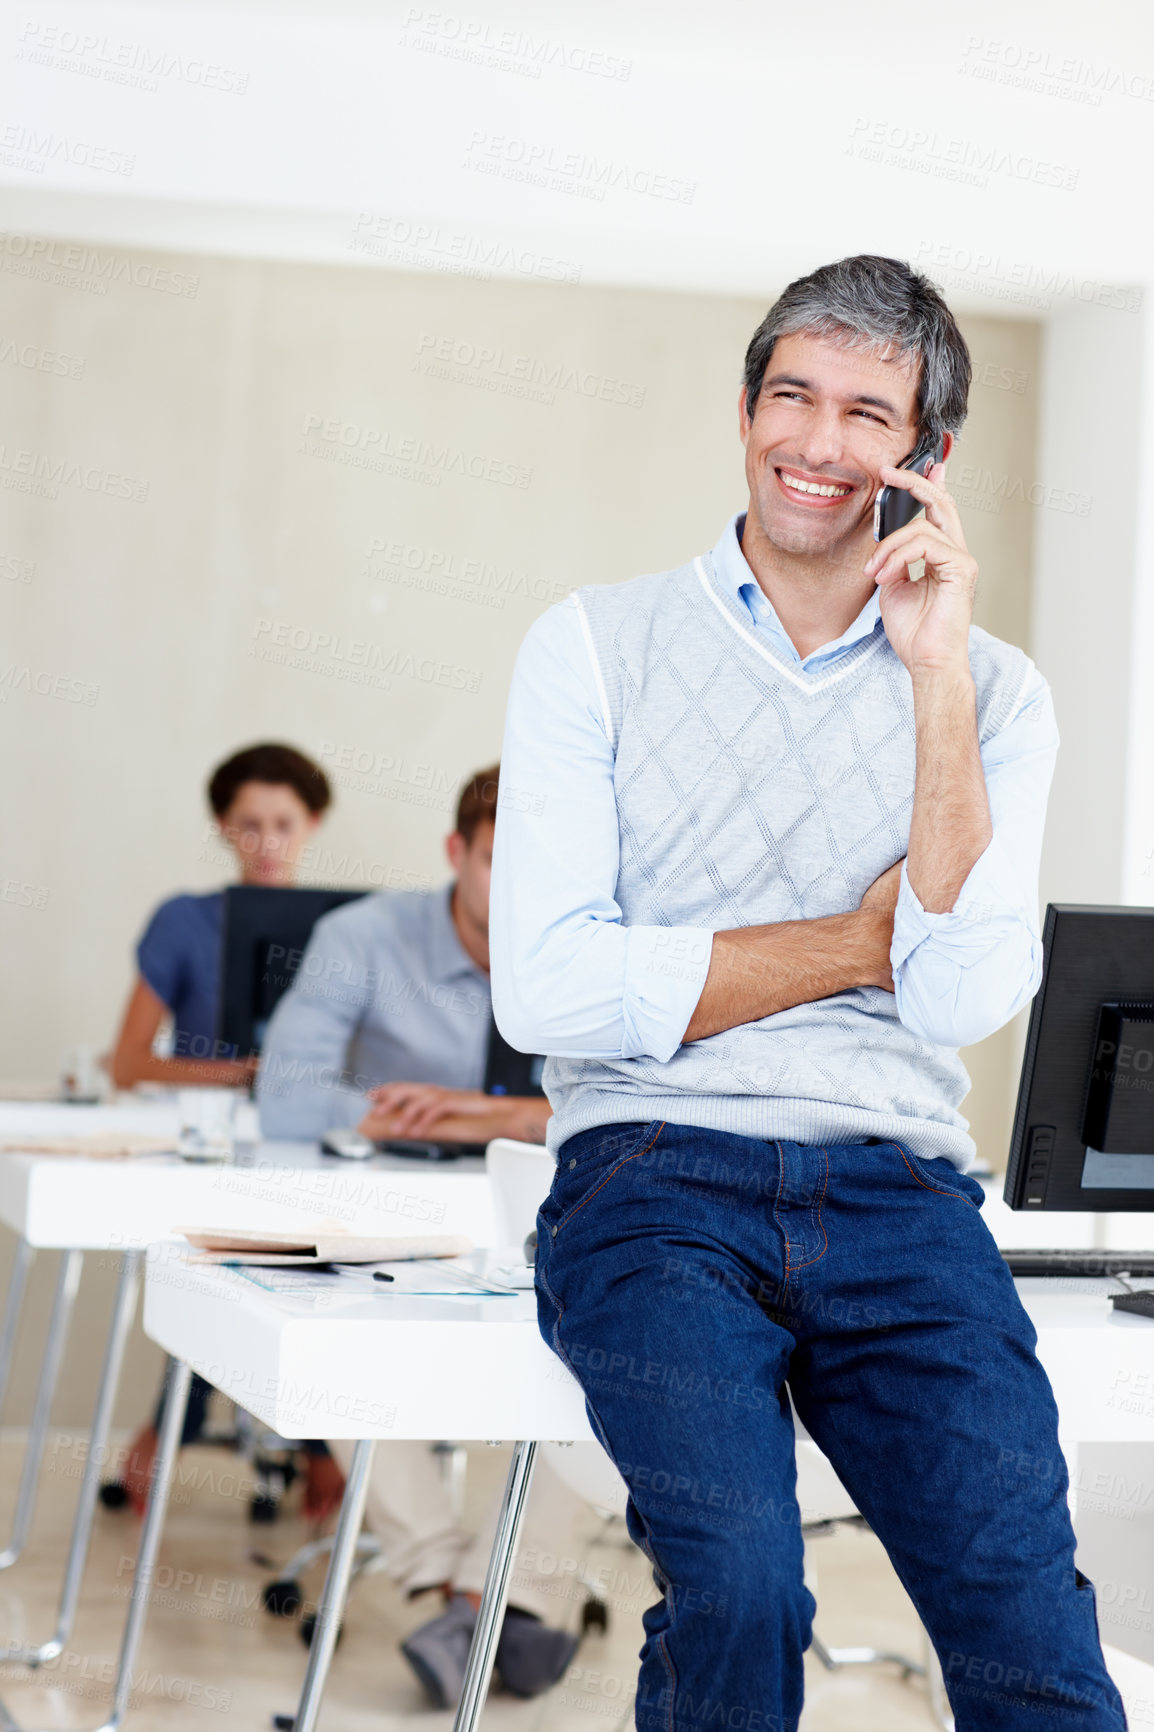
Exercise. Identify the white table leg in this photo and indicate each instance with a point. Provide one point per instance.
(123, 1311)
(17, 1281)
(479, 1669)
(175, 1403)
(67, 1281)
(335, 1592)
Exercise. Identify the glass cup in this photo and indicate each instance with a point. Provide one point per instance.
(81, 1078)
(205, 1121)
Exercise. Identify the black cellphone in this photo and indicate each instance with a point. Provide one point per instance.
(894, 507)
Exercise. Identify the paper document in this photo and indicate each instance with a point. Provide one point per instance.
(324, 1245)
(96, 1146)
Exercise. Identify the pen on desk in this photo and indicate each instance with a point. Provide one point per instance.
(379, 1275)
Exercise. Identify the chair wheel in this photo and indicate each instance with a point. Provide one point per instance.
(594, 1616)
(263, 1508)
(309, 1624)
(113, 1494)
(282, 1599)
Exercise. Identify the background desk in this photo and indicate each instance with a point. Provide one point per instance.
(364, 1364)
(121, 1206)
(357, 1365)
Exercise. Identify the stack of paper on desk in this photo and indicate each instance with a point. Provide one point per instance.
(326, 1245)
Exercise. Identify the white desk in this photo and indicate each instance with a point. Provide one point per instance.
(68, 1202)
(365, 1365)
(73, 1204)
(359, 1367)
(1100, 1362)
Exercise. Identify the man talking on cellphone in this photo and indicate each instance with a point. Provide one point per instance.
(776, 860)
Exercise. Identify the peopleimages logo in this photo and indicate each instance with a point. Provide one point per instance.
(427, 246)
(959, 159)
(445, 573)
(27, 148)
(37, 473)
(479, 43)
(538, 163)
(383, 452)
(1025, 66)
(354, 659)
(114, 61)
(73, 266)
(1023, 281)
(40, 360)
(489, 367)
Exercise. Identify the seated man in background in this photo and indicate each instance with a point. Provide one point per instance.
(386, 1027)
(391, 1002)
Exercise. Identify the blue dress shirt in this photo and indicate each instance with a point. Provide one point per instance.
(179, 958)
(384, 993)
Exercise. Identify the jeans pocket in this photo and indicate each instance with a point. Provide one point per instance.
(939, 1174)
(588, 1161)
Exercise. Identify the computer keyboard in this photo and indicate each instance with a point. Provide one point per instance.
(1083, 1263)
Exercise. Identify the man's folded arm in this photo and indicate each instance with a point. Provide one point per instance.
(961, 975)
(569, 978)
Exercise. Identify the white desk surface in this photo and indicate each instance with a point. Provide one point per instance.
(59, 1201)
(272, 1184)
(367, 1365)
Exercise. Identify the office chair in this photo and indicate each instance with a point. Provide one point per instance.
(284, 1596)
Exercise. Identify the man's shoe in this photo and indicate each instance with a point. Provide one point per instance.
(531, 1656)
(438, 1650)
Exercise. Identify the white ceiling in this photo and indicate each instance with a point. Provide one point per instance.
(796, 134)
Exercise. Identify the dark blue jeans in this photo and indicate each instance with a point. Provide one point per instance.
(686, 1277)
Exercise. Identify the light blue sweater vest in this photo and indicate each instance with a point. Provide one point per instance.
(747, 793)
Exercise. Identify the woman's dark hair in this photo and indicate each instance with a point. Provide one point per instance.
(280, 766)
(880, 303)
(478, 802)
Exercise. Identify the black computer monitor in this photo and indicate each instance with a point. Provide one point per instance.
(265, 932)
(509, 1072)
(1084, 1126)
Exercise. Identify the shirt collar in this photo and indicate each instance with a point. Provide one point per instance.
(448, 958)
(737, 581)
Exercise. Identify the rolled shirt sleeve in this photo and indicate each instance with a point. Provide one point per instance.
(569, 978)
(960, 975)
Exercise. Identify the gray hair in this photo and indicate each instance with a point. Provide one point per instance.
(880, 303)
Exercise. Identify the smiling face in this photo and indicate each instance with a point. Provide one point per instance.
(826, 420)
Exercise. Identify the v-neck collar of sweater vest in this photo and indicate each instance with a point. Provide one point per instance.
(818, 682)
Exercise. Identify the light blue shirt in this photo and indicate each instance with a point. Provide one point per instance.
(734, 575)
(384, 993)
(958, 975)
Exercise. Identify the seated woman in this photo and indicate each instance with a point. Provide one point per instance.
(267, 802)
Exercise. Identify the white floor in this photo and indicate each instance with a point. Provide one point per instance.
(210, 1649)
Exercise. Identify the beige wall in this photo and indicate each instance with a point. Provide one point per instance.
(162, 611)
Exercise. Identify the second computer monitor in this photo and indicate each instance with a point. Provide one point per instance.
(265, 932)
(1084, 1128)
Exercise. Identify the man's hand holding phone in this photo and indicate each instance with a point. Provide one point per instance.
(928, 621)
